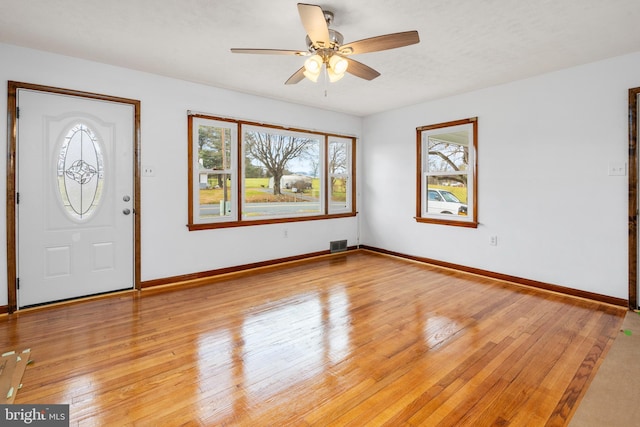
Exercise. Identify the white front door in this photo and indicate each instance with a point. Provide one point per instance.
(75, 174)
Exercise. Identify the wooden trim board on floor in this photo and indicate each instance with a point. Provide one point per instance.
(222, 273)
(508, 278)
(12, 366)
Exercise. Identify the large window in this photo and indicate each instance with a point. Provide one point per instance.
(447, 173)
(246, 173)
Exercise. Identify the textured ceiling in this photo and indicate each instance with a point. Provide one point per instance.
(465, 44)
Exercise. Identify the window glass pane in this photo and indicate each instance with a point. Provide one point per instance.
(214, 170)
(339, 168)
(215, 195)
(80, 172)
(281, 174)
(448, 151)
(339, 200)
(444, 198)
(338, 157)
(214, 147)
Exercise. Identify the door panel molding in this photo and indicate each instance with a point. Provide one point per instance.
(12, 146)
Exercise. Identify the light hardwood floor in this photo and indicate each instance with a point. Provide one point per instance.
(351, 339)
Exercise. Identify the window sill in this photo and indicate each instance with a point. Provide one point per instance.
(245, 223)
(452, 222)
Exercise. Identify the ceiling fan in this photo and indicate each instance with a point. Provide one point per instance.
(325, 48)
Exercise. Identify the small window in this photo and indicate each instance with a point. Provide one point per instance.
(80, 172)
(447, 173)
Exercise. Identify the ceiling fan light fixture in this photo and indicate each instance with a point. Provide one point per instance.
(325, 48)
(333, 76)
(313, 64)
(338, 64)
(312, 76)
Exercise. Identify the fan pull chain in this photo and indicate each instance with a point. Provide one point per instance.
(326, 81)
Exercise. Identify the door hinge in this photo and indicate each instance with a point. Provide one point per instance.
(17, 283)
(17, 198)
(17, 112)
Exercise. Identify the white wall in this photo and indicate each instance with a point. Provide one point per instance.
(168, 248)
(544, 148)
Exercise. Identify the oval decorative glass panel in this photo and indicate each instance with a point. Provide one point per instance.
(80, 172)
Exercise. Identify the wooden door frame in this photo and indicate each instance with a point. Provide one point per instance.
(12, 126)
(633, 197)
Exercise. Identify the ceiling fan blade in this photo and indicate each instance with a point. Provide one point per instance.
(296, 77)
(358, 69)
(270, 51)
(375, 44)
(315, 24)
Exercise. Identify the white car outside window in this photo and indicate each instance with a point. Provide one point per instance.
(444, 202)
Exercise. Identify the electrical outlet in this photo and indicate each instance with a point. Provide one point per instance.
(148, 171)
(494, 241)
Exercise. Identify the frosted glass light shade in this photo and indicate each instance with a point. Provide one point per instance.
(338, 64)
(334, 77)
(313, 64)
(311, 76)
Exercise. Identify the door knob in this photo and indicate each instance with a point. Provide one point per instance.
(126, 211)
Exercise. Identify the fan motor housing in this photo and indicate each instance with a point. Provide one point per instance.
(335, 41)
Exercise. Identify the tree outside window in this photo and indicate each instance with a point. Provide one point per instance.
(291, 182)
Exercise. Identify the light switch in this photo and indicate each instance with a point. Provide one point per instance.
(617, 168)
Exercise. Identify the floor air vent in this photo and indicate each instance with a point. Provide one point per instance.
(338, 246)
